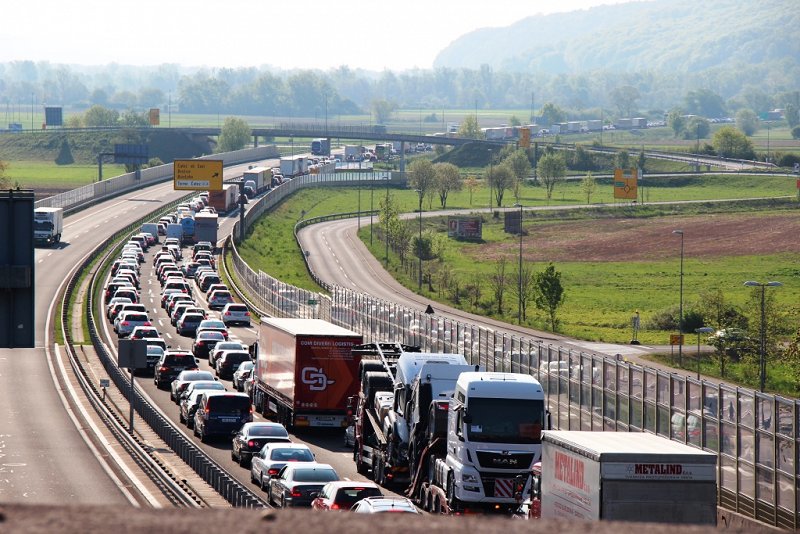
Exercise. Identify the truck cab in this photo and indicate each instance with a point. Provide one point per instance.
(485, 453)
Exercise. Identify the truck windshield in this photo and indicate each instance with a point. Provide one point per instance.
(42, 225)
(522, 420)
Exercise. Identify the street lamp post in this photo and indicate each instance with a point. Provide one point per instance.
(420, 192)
(680, 305)
(762, 364)
(519, 273)
(701, 330)
(489, 181)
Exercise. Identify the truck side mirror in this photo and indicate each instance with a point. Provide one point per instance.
(549, 424)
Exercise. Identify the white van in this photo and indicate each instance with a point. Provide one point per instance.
(152, 229)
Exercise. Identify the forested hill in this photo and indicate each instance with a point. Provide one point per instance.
(679, 36)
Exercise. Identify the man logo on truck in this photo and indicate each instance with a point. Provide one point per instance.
(315, 378)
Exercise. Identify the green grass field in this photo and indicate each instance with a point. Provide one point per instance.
(47, 175)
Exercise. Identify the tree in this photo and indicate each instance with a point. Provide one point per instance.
(792, 114)
(498, 280)
(469, 128)
(448, 180)
(100, 116)
(625, 98)
(551, 169)
(676, 121)
(588, 186)
(582, 159)
(697, 128)
(549, 293)
(796, 132)
(641, 161)
(382, 110)
(552, 114)
(704, 102)
(422, 176)
(520, 166)
(622, 160)
(472, 184)
(524, 288)
(747, 121)
(729, 142)
(5, 181)
(501, 178)
(132, 119)
(234, 135)
(514, 121)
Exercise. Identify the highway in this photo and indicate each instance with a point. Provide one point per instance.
(49, 452)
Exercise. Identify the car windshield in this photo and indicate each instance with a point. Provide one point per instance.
(291, 455)
(521, 423)
(315, 475)
(211, 335)
(213, 324)
(267, 430)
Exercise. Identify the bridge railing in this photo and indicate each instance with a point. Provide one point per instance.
(755, 435)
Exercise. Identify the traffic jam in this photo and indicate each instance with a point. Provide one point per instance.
(215, 402)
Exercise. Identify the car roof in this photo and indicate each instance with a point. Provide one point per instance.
(309, 465)
(352, 484)
(388, 502)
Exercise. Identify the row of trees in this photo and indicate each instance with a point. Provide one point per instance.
(308, 93)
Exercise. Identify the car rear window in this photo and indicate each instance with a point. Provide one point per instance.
(212, 335)
(291, 455)
(238, 308)
(272, 431)
(192, 317)
(135, 317)
(179, 359)
(315, 475)
(226, 404)
(350, 496)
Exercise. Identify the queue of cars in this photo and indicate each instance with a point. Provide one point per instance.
(288, 472)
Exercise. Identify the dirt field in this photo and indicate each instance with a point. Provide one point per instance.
(616, 240)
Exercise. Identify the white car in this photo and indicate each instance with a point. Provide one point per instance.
(235, 313)
(127, 321)
(273, 456)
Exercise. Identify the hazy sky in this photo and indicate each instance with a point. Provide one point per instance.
(396, 35)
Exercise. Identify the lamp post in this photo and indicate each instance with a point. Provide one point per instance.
(701, 330)
(763, 337)
(519, 273)
(420, 192)
(489, 181)
(387, 223)
(768, 124)
(680, 305)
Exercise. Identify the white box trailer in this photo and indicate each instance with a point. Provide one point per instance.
(48, 225)
(626, 476)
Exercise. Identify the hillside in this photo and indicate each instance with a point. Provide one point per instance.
(682, 36)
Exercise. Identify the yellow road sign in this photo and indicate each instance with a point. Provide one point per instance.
(675, 339)
(197, 175)
(525, 137)
(625, 183)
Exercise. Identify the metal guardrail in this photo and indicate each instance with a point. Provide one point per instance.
(756, 436)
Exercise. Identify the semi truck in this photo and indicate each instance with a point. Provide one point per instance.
(225, 200)
(626, 476)
(260, 175)
(459, 439)
(48, 225)
(294, 166)
(205, 227)
(321, 147)
(305, 371)
(175, 230)
(352, 153)
(188, 225)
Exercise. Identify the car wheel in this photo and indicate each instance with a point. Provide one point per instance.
(181, 418)
(233, 456)
(283, 501)
(264, 486)
(243, 461)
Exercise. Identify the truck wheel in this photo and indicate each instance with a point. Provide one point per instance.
(361, 467)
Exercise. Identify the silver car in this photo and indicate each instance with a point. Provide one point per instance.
(273, 456)
(234, 313)
(127, 321)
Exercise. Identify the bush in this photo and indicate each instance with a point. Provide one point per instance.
(796, 132)
(666, 319)
(788, 160)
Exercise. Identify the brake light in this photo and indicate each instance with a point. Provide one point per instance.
(247, 314)
(208, 409)
(201, 343)
(296, 493)
(334, 506)
(163, 369)
(251, 443)
(272, 471)
(227, 314)
(125, 323)
(147, 323)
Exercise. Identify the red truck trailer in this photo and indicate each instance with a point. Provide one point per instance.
(225, 200)
(305, 371)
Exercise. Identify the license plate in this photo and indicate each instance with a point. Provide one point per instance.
(179, 369)
(229, 419)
